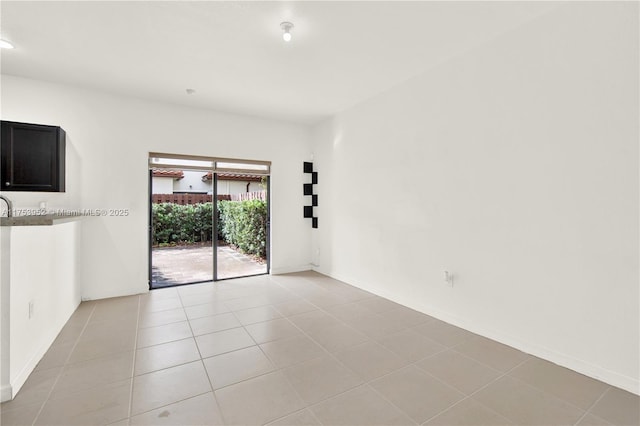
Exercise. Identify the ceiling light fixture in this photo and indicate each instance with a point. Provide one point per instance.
(4, 44)
(286, 27)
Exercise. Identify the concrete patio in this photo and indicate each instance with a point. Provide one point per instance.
(183, 265)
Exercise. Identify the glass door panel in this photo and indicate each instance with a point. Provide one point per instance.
(181, 227)
(242, 214)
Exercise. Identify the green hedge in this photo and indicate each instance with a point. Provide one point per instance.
(173, 223)
(241, 223)
(244, 224)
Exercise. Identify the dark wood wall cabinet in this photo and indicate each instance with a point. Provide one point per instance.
(32, 157)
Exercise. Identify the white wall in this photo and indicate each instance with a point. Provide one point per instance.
(44, 271)
(108, 141)
(5, 295)
(192, 182)
(529, 149)
(239, 187)
(162, 185)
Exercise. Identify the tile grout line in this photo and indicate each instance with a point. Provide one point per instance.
(370, 339)
(462, 354)
(411, 364)
(163, 343)
(374, 340)
(291, 414)
(62, 369)
(302, 298)
(331, 355)
(327, 352)
(314, 415)
(476, 336)
(588, 410)
(272, 363)
(213, 393)
(173, 366)
(213, 356)
(529, 385)
(276, 369)
(368, 384)
(179, 297)
(304, 333)
(133, 364)
(531, 359)
(469, 396)
(166, 405)
(364, 383)
(395, 371)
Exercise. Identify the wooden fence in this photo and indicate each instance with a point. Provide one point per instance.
(184, 199)
(244, 196)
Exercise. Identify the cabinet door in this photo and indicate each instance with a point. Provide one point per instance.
(32, 157)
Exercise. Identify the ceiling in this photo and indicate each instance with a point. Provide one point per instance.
(233, 55)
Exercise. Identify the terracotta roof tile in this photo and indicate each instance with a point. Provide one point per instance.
(233, 176)
(177, 174)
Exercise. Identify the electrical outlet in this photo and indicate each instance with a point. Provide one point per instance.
(448, 278)
(31, 309)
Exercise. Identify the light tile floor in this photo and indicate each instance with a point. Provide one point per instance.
(297, 349)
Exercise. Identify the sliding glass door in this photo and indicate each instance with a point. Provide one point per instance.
(208, 219)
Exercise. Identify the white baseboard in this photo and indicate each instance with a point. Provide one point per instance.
(289, 269)
(581, 366)
(141, 289)
(6, 393)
